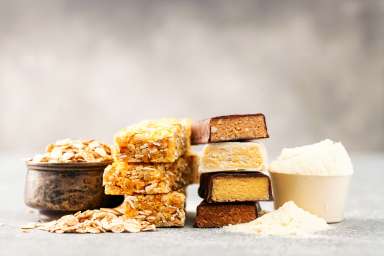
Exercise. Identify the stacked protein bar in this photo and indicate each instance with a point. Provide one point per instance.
(151, 168)
(231, 183)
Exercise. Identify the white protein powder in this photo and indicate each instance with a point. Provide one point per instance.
(325, 158)
(287, 220)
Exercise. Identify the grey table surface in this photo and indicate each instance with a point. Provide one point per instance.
(362, 232)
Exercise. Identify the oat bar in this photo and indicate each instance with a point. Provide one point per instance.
(122, 178)
(229, 128)
(162, 210)
(231, 156)
(156, 141)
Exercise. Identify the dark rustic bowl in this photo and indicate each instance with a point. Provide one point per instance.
(64, 187)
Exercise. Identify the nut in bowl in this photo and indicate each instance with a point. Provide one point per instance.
(67, 177)
(316, 177)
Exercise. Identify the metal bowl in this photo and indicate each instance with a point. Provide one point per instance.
(64, 187)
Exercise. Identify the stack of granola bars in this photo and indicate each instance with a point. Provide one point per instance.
(152, 165)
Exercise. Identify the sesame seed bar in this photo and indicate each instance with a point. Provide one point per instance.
(122, 178)
(156, 141)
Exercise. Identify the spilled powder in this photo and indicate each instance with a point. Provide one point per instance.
(289, 219)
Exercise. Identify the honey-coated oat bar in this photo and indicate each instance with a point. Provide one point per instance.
(156, 141)
(122, 178)
(162, 210)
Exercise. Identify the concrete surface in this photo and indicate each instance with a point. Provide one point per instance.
(362, 233)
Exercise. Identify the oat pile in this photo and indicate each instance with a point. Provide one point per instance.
(93, 221)
(74, 151)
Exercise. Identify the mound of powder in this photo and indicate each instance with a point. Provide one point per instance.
(325, 158)
(287, 220)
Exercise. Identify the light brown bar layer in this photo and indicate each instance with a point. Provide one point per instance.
(232, 156)
(162, 210)
(123, 178)
(156, 141)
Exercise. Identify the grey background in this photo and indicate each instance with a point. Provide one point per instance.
(87, 68)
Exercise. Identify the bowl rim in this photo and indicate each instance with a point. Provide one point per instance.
(309, 175)
(80, 165)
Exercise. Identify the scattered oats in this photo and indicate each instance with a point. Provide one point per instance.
(31, 225)
(49, 148)
(101, 152)
(40, 158)
(129, 200)
(92, 221)
(74, 151)
(69, 220)
(132, 226)
(67, 156)
(94, 144)
(117, 226)
(111, 210)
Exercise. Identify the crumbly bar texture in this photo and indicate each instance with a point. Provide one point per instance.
(162, 210)
(214, 215)
(93, 221)
(229, 128)
(74, 151)
(122, 178)
(156, 141)
(235, 187)
(231, 156)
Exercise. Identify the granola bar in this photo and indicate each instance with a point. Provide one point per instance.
(122, 178)
(156, 141)
(162, 210)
